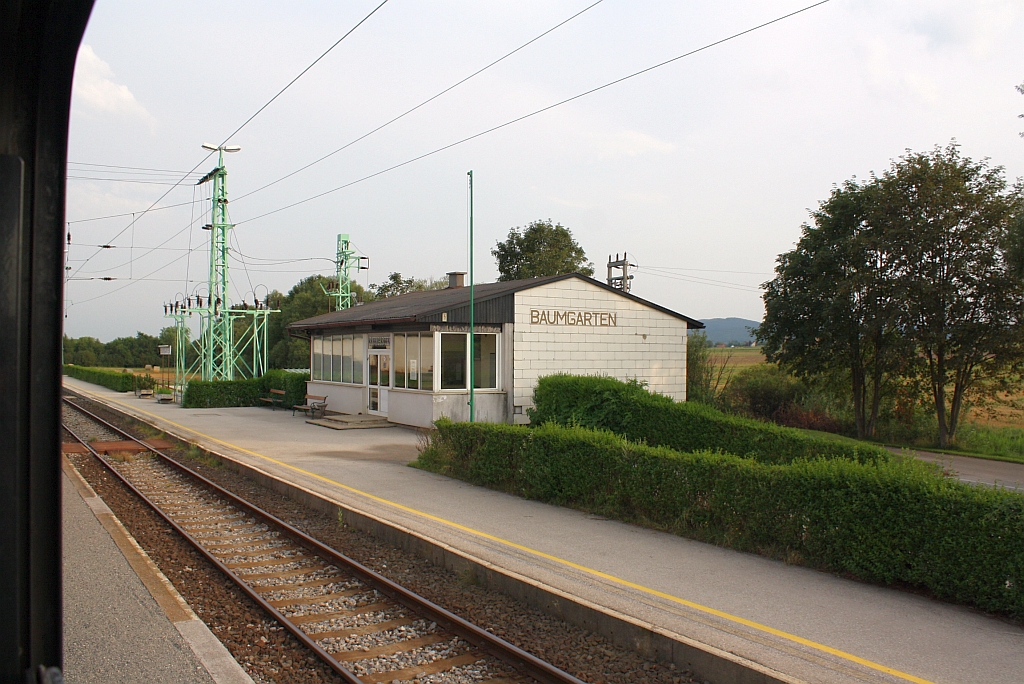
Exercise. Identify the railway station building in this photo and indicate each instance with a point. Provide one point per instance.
(407, 357)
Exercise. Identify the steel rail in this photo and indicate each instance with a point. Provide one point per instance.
(492, 644)
(259, 600)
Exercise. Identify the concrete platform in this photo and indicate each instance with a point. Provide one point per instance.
(807, 625)
(120, 626)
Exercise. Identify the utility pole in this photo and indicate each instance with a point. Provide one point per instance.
(620, 282)
(344, 263)
(472, 323)
(220, 353)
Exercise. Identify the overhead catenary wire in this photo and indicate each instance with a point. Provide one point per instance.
(424, 103)
(246, 122)
(522, 118)
(538, 111)
(385, 124)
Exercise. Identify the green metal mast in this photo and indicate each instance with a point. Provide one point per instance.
(221, 344)
(344, 263)
(472, 322)
(218, 339)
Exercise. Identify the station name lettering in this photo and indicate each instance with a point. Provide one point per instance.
(602, 319)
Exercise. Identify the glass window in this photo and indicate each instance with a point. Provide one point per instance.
(346, 358)
(336, 358)
(427, 361)
(453, 360)
(317, 343)
(399, 353)
(358, 354)
(485, 361)
(412, 353)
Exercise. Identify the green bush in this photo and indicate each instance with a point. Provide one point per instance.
(894, 522)
(119, 381)
(222, 393)
(227, 393)
(293, 384)
(627, 409)
(763, 391)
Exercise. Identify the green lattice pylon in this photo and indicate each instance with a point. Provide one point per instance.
(221, 342)
(345, 262)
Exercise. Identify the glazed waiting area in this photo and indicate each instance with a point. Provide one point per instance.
(408, 357)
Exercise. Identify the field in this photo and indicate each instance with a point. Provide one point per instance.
(736, 358)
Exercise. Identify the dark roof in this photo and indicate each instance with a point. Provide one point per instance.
(418, 306)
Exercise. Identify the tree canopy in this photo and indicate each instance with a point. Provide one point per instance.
(540, 249)
(914, 274)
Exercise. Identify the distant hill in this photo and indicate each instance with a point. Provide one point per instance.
(729, 330)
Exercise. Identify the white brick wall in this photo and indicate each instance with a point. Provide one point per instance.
(619, 351)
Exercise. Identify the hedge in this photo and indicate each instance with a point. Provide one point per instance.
(628, 410)
(293, 384)
(893, 522)
(228, 393)
(119, 381)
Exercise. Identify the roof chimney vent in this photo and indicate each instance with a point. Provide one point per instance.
(456, 279)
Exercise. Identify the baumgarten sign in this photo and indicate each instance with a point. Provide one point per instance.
(602, 319)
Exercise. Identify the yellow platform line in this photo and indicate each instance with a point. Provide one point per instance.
(547, 556)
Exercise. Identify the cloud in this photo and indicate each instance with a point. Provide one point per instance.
(95, 89)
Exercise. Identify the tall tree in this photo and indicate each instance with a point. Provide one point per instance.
(540, 249)
(948, 222)
(305, 300)
(829, 308)
(397, 285)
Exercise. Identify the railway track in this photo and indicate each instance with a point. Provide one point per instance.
(365, 627)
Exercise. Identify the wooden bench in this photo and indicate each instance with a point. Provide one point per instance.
(275, 399)
(313, 405)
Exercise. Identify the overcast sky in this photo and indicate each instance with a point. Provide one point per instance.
(703, 170)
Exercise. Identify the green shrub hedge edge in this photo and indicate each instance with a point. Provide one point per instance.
(247, 392)
(119, 381)
(895, 522)
(629, 410)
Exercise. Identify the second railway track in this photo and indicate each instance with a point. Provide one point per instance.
(364, 626)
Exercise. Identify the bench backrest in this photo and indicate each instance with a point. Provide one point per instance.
(277, 391)
(315, 397)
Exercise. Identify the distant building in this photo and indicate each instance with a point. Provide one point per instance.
(407, 357)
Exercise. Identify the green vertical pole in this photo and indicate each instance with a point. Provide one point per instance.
(472, 322)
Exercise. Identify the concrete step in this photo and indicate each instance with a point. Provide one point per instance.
(351, 422)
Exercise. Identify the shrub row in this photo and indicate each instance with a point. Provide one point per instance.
(628, 410)
(227, 393)
(119, 381)
(893, 522)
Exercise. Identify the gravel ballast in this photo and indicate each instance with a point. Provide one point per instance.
(270, 654)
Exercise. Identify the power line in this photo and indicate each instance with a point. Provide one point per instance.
(123, 180)
(539, 111)
(703, 281)
(133, 168)
(387, 123)
(129, 213)
(244, 124)
(708, 270)
(421, 104)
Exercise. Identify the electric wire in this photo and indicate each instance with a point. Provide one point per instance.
(514, 121)
(701, 281)
(538, 111)
(128, 213)
(133, 168)
(421, 104)
(709, 270)
(407, 112)
(123, 180)
(247, 121)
